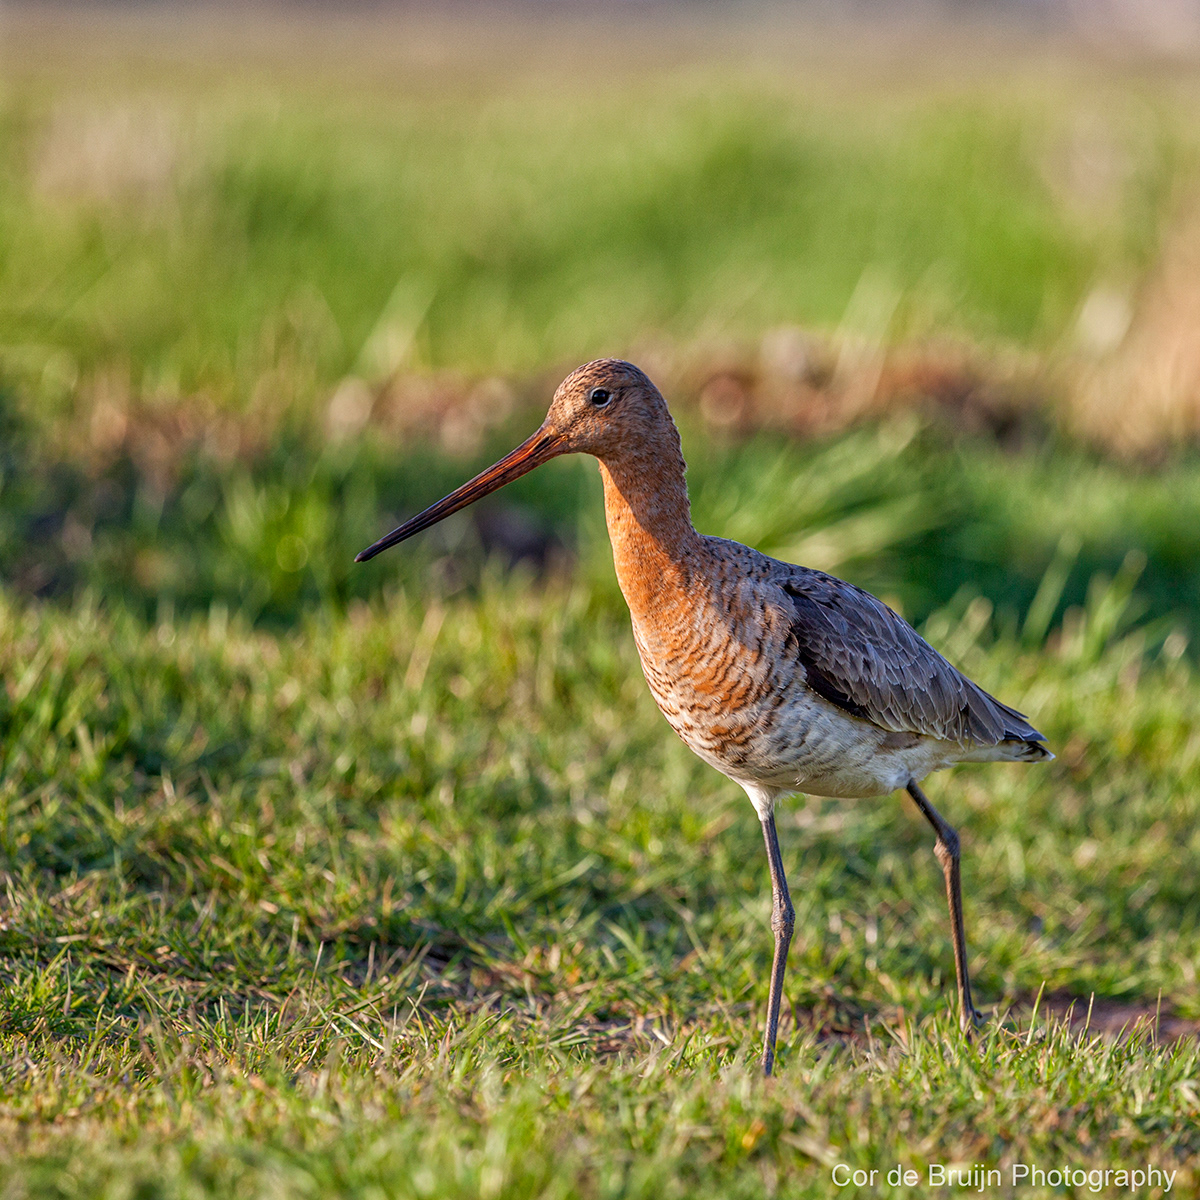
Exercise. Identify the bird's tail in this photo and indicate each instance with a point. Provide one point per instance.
(1026, 751)
(1008, 750)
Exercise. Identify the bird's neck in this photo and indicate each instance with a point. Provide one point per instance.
(655, 548)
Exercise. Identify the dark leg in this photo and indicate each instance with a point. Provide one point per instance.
(946, 849)
(783, 920)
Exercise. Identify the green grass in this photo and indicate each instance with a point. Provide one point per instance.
(257, 241)
(429, 900)
(908, 509)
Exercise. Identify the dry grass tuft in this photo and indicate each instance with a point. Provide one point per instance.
(1146, 393)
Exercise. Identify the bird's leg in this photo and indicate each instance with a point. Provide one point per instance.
(946, 849)
(783, 920)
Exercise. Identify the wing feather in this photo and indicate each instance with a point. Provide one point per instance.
(861, 656)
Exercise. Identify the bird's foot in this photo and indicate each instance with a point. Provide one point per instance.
(767, 1060)
(971, 1021)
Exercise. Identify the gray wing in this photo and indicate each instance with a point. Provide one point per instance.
(864, 658)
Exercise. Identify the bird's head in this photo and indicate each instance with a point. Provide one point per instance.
(604, 408)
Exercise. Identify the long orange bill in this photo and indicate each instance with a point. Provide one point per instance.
(543, 446)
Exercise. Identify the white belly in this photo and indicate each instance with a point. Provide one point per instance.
(810, 745)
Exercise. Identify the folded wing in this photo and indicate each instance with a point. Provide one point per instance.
(861, 656)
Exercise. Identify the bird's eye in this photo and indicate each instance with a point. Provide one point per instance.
(599, 397)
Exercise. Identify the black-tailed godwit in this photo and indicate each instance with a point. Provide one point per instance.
(783, 678)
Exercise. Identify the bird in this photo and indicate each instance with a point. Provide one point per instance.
(785, 679)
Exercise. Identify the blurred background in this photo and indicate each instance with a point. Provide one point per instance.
(921, 283)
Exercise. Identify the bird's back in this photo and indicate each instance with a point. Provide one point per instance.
(790, 678)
